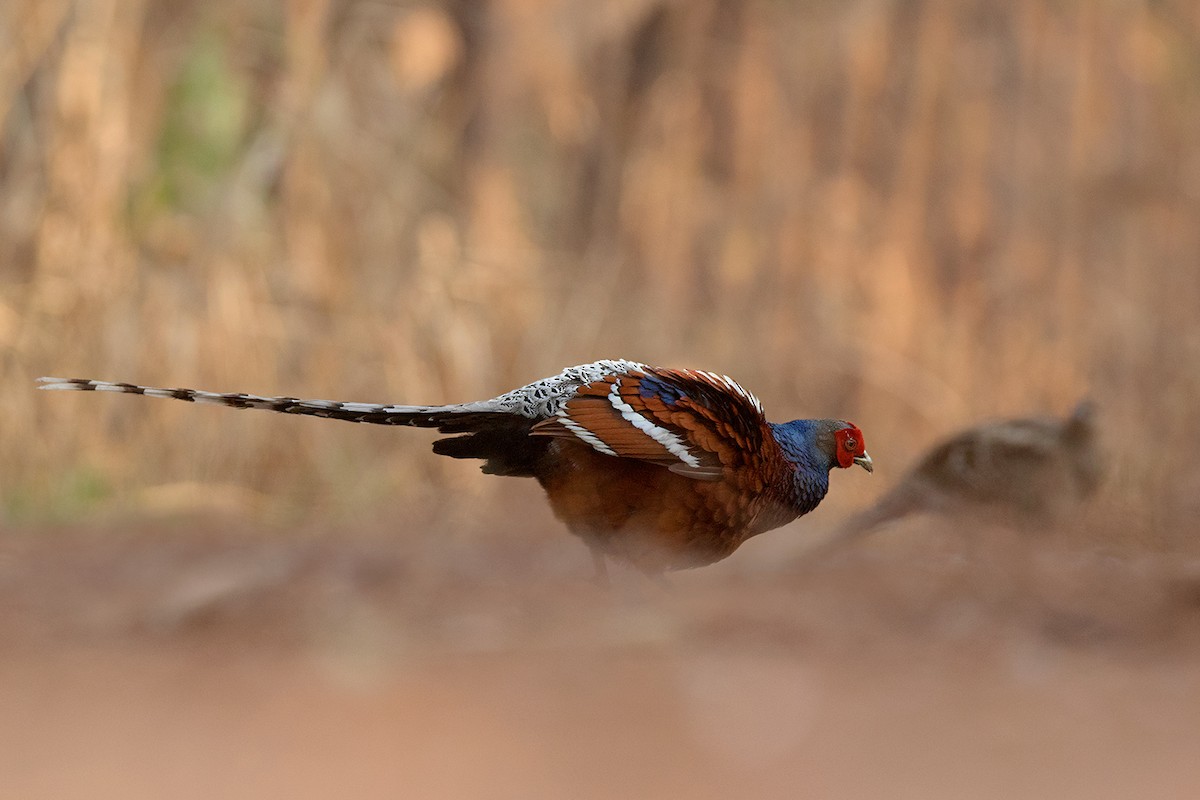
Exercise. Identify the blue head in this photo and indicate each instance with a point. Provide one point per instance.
(816, 446)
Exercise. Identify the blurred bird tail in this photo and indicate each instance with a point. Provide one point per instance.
(890, 507)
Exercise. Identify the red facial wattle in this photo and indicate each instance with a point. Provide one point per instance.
(851, 449)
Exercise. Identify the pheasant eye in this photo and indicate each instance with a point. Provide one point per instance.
(851, 444)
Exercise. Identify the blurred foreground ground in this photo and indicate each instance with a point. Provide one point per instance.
(204, 659)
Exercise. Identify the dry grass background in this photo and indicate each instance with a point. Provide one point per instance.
(909, 214)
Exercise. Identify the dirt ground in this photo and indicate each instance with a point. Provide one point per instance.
(207, 659)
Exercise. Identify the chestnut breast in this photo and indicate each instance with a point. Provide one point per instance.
(648, 515)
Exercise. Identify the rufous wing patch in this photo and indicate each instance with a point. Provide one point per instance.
(696, 424)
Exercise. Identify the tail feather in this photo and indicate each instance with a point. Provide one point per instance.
(505, 450)
(459, 418)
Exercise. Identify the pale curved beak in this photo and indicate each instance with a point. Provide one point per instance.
(865, 462)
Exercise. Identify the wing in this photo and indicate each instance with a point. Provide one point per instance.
(697, 424)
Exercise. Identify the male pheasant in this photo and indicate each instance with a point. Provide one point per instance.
(660, 468)
(1027, 471)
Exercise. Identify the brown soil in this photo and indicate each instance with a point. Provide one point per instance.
(204, 661)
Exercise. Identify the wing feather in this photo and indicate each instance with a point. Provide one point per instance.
(696, 424)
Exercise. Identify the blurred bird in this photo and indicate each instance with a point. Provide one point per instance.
(1030, 471)
(660, 468)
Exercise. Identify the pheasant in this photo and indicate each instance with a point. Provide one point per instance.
(663, 469)
(1032, 471)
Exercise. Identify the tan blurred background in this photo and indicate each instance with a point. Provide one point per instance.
(914, 215)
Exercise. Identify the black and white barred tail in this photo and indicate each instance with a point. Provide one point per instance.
(374, 413)
(539, 400)
(495, 430)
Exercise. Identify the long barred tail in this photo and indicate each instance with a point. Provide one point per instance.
(448, 419)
